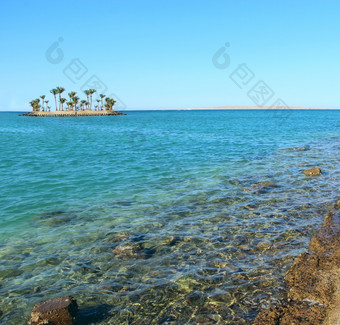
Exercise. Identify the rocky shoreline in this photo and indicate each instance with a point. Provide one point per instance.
(313, 282)
(72, 113)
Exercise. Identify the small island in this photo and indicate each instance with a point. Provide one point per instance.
(74, 106)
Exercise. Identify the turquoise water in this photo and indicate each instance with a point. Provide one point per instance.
(181, 217)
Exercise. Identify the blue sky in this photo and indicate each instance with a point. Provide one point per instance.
(158, 54)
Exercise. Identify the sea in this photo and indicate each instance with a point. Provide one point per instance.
(161, 217)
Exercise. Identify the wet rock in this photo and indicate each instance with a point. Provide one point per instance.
(263, 246)
(93, 315)
(260, 187)
(59, 311)
(168, 320)
(10, 272)
(126, 251)
(115, 287)
(202, 320)
(57, 218)
(312, 171)
(264, 185)
(305, 148)
(172, 240)
(245, 247)
(137, 237)
(86, 268)
(114, 238)
(215, 317)
(194, 298)
(121, 203)
(131, 250)
(292, 313)
(312, 281)
(250, 207)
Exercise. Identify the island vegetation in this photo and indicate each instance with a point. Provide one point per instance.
(73, 106)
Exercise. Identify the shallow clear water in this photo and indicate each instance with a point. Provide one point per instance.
(160, 217)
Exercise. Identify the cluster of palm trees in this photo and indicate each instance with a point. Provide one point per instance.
(74, 103)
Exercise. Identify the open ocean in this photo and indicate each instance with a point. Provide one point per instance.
(160, 217)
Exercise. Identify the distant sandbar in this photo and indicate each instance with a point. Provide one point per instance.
(236, 107)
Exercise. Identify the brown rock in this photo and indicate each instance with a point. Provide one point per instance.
(129, 251)
(119, 237)
(296, 313)
(59, 311)
(301, 148)
(260, 187)
(172, 240)
(264, 185)
(312, 171)
(194, 298)
(312, 282)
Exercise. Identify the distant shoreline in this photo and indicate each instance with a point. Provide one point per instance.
(246, 108)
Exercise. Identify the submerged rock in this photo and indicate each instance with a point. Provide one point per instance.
(94, 315)
(301, 148)
(312, 171)
(260, 187)
(265, 184)
(59, 311)
(194, 298)
(304, 148)
(120, 237)
(172, 240)
(130, 251)
(57, 218)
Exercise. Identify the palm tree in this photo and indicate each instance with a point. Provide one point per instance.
(43, 102)
(82, 104)
(60, 90)
(69, 104)
(62, 101)
(54, 91)
(35, 105)
(102, 96)
(109, 103)
(47, 107)
(72, 94)
(75, 100)
(97, 106)
(87, 93)
(92, 91)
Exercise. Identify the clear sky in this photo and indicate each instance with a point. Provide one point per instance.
(159, 54)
